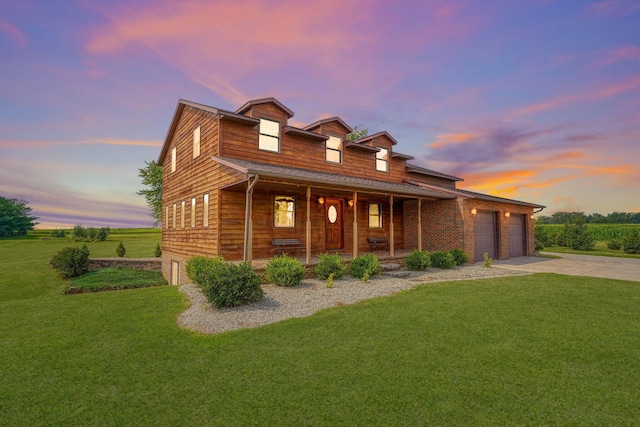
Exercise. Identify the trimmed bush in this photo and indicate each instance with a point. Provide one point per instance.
(631, 243)
(71, 262)
(365, 266)
(158, 252)
(225, 284)
(442, 259)
(418, 260)
(58, 233)
(120, 250)
(614, 244)
(284, 271)
(459, 256)
(330, 265)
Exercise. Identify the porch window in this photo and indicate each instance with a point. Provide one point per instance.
(284, 211)
(269, 138)
(205, 210)
(382, 160)
(334, 149)
(196, 142)
(375, 215)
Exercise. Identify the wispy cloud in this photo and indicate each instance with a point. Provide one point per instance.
(628, 52)
(615, 7)
(13, 33)
(14, 143)
(610, 90)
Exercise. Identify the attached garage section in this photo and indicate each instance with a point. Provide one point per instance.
(485, 235)
(516, 236)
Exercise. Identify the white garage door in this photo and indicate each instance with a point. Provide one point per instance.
(485, 235)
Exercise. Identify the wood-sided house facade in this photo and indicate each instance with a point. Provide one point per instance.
(234, 181)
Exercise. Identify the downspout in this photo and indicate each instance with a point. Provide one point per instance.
(247, 215)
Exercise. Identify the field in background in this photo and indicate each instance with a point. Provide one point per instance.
(528, 350)
(602, 232)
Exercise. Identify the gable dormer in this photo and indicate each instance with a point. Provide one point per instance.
(267, 108)
(330, 126)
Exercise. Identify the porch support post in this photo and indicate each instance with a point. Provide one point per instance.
(355, 224)
(308, 235)
(392, 251)
(420, 224)
(248, 223)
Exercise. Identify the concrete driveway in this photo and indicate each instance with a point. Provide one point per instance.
(576, 265)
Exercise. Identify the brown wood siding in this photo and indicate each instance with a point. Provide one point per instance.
(431, 180)
(267, 111)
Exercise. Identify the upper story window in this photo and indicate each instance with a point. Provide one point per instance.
(175, 210)
(193, 212)
(334, 149)
(375, 215)
(173, 159)
(269, 138)
(196, 142)
(382, 160)
(182, 206)
(284, 211)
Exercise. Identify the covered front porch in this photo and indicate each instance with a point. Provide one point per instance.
(317, 213)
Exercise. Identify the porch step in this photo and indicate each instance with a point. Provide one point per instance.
(390, 266)
(398, 274)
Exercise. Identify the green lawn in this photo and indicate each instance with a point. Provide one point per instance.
(600, 249)
(528, 350)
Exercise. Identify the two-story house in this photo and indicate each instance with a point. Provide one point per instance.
(235, 181)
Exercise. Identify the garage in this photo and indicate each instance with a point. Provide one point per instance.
(485, 235)
(516, 236)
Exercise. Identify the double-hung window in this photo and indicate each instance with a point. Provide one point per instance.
(284, 211)
(269, 138)
(334, 149)
(375, 215)
(382, 160)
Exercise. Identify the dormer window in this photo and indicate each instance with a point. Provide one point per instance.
(382, 160)
(334, 149)
(269, 138)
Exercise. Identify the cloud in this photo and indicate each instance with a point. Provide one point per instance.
(13, 33)
(614, 7)
(20, 144)
(613, 89)
(624, 53)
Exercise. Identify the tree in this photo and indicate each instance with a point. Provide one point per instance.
(357, 133)
(15, 218)
(152, 178)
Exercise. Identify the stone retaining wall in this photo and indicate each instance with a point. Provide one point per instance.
(152, 264)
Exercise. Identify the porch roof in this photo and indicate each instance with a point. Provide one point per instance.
(342, 181)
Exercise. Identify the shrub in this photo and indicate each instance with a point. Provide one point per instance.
(365, 266)
(459, 256)
(71, 261)
(442, 259)
(78, 233)
(284, 271)
(92, 233)
(576, 236)
(631, 243)
(120, 250)
(330, 265)
(418, 260)
(158, 252)
(487, 261)
(614, 244)
(58, 233)
(538, 245)
(225, 284)
(330, 281)
(103, 233)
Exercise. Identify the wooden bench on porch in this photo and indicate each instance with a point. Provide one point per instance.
(377, 243)
(283, 245)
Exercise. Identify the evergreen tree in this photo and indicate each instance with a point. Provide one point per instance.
(15, 217)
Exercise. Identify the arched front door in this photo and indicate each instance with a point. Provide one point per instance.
(333, 219)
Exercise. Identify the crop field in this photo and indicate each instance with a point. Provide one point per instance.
(598, 231)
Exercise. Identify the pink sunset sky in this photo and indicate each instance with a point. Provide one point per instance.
(533, 100)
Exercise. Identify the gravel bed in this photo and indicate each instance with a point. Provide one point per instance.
(312, 295)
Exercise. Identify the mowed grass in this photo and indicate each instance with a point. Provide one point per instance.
(528, 350)
(117, 278)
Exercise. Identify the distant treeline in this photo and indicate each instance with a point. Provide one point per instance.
(594, 218)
